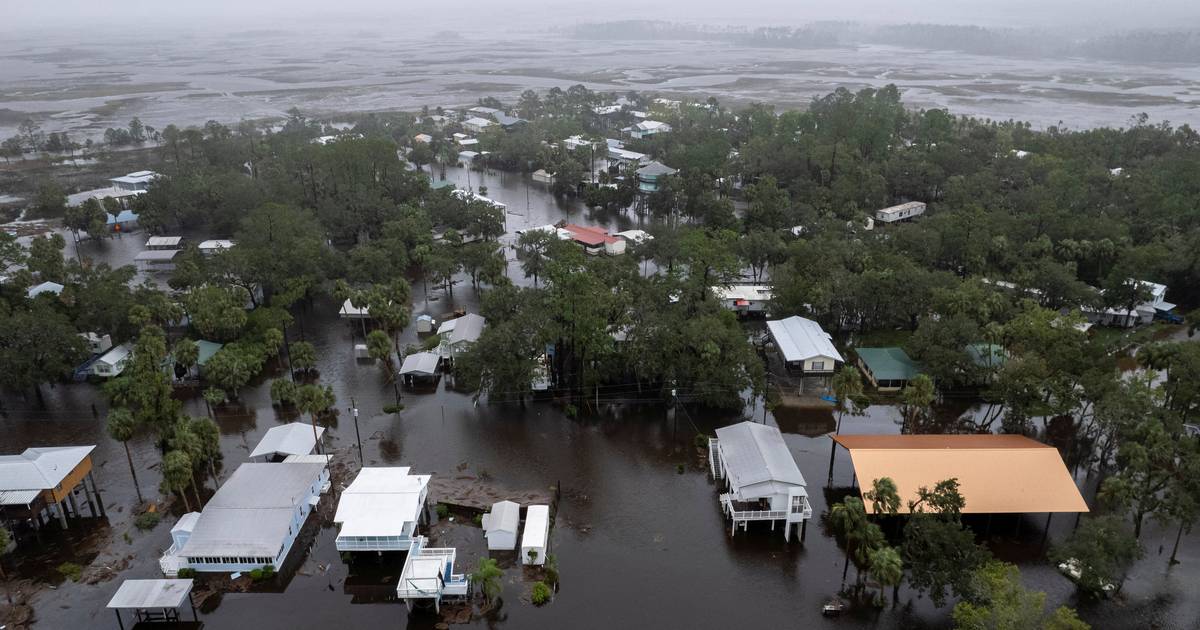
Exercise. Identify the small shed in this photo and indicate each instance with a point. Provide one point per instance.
(536, 536)
(154, 603)
(542, 176)
(501, 524)
(425, 324)
(163, 242)
(152, 260)
(888, 369)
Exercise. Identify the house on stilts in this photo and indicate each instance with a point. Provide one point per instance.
(761, 479)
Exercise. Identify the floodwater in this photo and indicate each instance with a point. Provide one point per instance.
(637, 542)
(101, 80)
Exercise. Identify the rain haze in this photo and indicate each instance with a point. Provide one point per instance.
(654, 266)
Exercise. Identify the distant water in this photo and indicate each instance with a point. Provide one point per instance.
(85, 87)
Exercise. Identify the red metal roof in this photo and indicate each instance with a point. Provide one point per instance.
(589, 235)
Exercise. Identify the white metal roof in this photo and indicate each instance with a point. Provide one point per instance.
(163, 241)
(295, 438)
(477, 122)
(116, 354)
(420, 363)
(215, 244)
(251, 513)
(380, 502)
(18, 497)
(466, 328)
(897, 209)
(40, 468)
(800, 339)
(504, 517)
(151, 594)
(350, 311)
(754, 292)
(537, 526)
(186, 523)
(45, 287)
(156, 255)
(756, 453)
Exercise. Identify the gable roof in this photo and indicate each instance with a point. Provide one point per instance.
(465, 328)
(800, 339)
(504, 517)
(40, 468)
(889, 364)
(295, 438)
(656, 169)
(420, 363)
(380, 501)
(755, 453)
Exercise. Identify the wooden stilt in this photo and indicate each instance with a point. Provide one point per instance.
(96, 491)
(803, 529)
(62, 514)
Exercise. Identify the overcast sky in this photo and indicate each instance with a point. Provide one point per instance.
(499, 14)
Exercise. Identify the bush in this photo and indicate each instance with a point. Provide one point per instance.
(266, 572)
(550, 569)
(147, 521)
(70, 571)
(541, 593)
(572, 411)
(680, 468)
(442, 510)
(186, 573)
(393, 408)
(479, 519)
(701, 440)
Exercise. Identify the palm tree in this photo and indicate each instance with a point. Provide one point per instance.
(848, 390)
(177, 473)
(888, 568)
(848, 519)
(184, 440)
(884, 497)
(209, 436)
(487, 576)
(121, 427)
(213, 396)
(312, 399)
(186, 353)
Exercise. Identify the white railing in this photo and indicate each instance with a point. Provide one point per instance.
(714, 459)
(758, 515)
(358, 544)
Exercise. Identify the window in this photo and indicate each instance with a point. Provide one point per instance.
(818, 365)
(797, 504)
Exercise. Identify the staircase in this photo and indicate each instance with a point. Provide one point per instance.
(714, 459)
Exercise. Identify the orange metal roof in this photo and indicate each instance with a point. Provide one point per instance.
(997, 474)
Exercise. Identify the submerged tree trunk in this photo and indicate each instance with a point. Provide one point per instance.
(196, 491)
(1175, 549)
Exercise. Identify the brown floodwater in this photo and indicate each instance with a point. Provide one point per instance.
(638, 543)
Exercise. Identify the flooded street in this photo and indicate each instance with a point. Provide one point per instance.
(189, 78)
(637, 542)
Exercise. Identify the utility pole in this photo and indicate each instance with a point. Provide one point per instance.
(357, 435)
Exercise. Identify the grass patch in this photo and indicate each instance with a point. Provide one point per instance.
(147, 521)
(70, 571)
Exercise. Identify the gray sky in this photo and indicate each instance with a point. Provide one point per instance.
(404, 14)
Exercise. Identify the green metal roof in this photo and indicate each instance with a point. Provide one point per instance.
(441, 183)
(207, 350)
(889, 364)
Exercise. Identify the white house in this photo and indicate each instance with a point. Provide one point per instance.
(480, 110)
(211, 247)
(901, 212)
(805, 346)
(136, 181)
(542, 176)
(423, 138)
(45, 287)
(1139, 315)
(595, 240)
(501, 524)
(477, 124)
(113, 362)
(744, 299)
(381, 510)
(459, 333)
(536, 536)
(575, 142)
(294, 438)
(97, 343)
(251, 522)
(762, 481)
(636, 237)
(647, 128)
